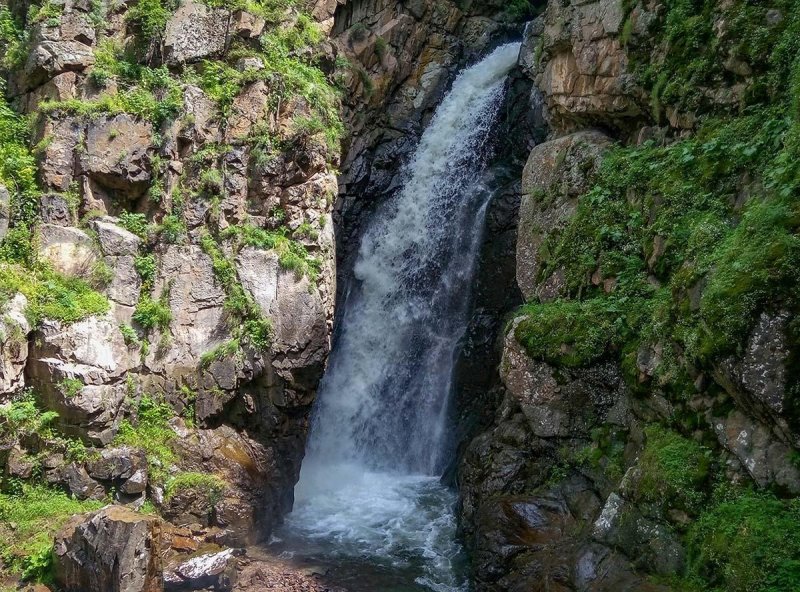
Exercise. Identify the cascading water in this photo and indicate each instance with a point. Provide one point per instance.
(369, 489)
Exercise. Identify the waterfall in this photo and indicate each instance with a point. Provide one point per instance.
(379, 436)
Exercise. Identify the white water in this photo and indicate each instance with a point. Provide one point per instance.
(369, 485)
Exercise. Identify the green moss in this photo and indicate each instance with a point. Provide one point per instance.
(36, 513)
(674, 470)
(574, 333)
(746, 542)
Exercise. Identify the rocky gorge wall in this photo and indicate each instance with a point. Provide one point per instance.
(643, 437)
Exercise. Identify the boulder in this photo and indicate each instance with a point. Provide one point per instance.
(14, 329)
(579, 65)
(212, 571)
(69, 250)
(118, 154)
(290, 301)
(117, 464)
(112, 549)
(556, 173)
(57, 160)
(560, 403)
(46, 59)
(194, 32)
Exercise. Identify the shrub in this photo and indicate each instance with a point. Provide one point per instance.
(151, 314)
(70, 387)
(135, 223)
(747, 542)
(224, 350)
(172, 229)
(151, 433)
(146, 267)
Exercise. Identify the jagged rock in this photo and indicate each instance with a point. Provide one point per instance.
(212, 571)
(112, 549)
(118, 153)
(47, 59)
(60, 139)
(14, 329)
(5, 210)
(18, 464)
(765, 458)
(115, 240)
(202, 112)
(80, 484)
(654, 547)
(249, 108)
(69, 250)
(556, 173)
(578, 63)
(54, 209)
(93, 352)
(195, 31)
(292, 304)
(198, 320)
(117, 464)
(566, 402)
(759, 379)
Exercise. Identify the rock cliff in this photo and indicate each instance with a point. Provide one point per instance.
(643, 433)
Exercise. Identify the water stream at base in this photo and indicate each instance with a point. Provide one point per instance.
(370, 504)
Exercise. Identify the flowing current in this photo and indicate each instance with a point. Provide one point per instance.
(369, 500)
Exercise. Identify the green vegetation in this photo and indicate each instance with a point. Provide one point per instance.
(29, 518)
(248, 322)
(224, 350)
(152, 314)
(674, 470)
(17, 162)
(50, 295)
(719, 262)
(23, 417)
(211, 486)
(746, 542)
(151, 432)
(291, 254)
(135, 223)
(70, 387)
